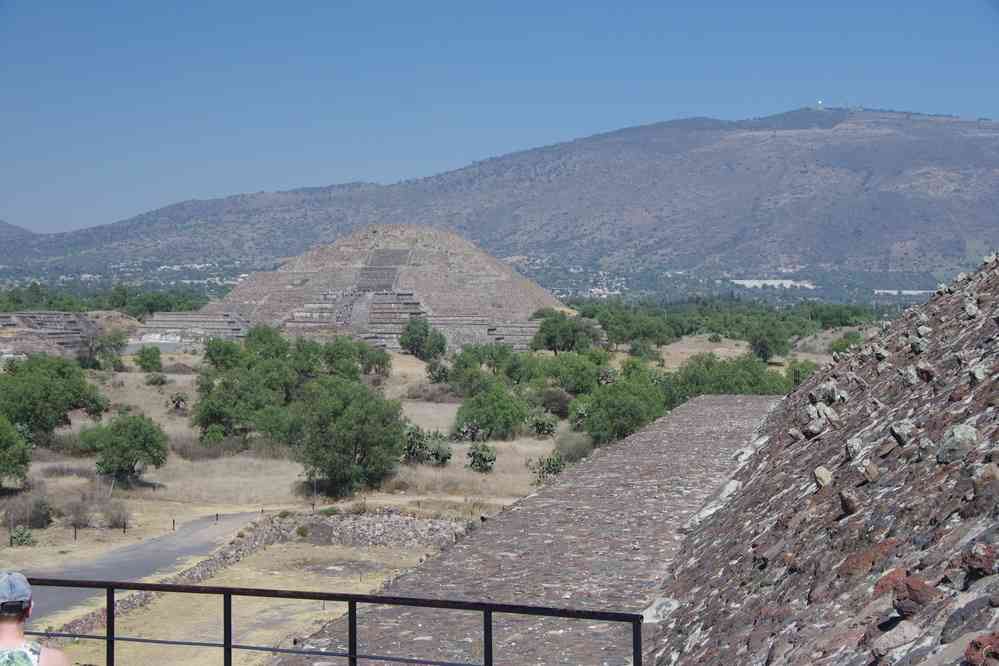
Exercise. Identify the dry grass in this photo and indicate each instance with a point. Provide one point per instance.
(407, 371)
(431, 415)
(129, 388)
(238, 480)
(294, 566)
(509, 480)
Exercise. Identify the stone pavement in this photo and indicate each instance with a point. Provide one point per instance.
(600, 538)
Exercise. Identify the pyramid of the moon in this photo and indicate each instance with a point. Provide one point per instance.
(369, 284)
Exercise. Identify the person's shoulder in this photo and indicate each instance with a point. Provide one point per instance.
(52, 657)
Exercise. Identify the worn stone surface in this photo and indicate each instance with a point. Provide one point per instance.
(896, 560)
(601, 537)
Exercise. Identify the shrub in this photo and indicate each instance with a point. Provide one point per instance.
(440, 451)
(148, 359)
(468, 432)
(642, 349)
(468, 380)
(213, 435)
(302, 531)
(116, 515)
(178, 402)
(523, 368)
(422, 341)
(481, 457)
(284, 513)
(495, 412)
(157, 379)
(438, 372)
(574, 446)
(416, 447)
(579, 409)
(546, 468)
(77, 514)
(556, 401)
(30, 509)
(715, 338)
(542, 424)
(843, 344)
(374, 361)
(22, 536)
(329, 511)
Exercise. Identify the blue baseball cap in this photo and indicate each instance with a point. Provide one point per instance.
(15, 593)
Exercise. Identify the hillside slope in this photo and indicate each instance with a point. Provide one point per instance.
(12, 234)
(817, 190)
(864, 529)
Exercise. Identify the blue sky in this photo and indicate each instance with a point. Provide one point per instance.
(116, 108)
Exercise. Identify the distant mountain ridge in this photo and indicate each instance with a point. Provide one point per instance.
(10, 233)
(831, 191)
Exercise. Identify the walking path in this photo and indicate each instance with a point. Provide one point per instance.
(602, 537)
(196, 538)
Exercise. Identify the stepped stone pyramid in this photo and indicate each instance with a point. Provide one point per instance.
(55, 333)
(369, 284)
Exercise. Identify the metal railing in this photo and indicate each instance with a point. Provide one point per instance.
(352, 656)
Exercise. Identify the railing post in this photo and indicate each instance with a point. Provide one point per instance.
(227, 628)
(109, 632)
(352, 633)
(636, 643)
(487, 638)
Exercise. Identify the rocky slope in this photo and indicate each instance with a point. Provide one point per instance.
(822, 190)
(862, 528)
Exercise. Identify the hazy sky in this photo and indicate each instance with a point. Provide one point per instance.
(111, 110)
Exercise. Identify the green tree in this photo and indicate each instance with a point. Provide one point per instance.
(126, 444)
(559, 332)
(342, 358)
(374, 361)
(422, 341)
(37, 395)
(15, 453)
(149, 359)
(619, 409)
(494, 412)
(768, 341)
(266, 342)
(106, 350)
(574, 372)
(351, 437)
(223, 354)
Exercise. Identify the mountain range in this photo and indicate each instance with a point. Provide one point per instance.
(811, 193)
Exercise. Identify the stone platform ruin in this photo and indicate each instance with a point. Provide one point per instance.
(371, 283)
(40, 332)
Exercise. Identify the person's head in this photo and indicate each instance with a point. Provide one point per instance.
(15, 598)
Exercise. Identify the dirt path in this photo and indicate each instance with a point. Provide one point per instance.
(602, 537)
(164, 554)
